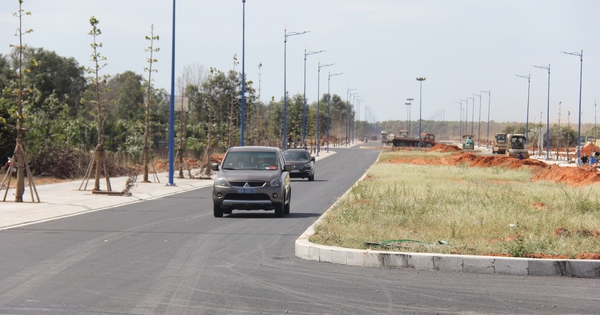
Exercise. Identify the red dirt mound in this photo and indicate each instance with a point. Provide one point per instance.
(589, 149)
(574, 176)
(442, 147)
(466, 157)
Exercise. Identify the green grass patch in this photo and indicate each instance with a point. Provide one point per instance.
(462, 210)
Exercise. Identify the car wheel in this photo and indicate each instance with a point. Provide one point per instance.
(280, 209)
(311, 177)
(217, 211)
(286, 207)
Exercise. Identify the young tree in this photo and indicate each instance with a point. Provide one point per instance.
(20, 158)
(97, 82)
(151, 60)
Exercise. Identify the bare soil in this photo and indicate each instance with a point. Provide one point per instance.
(574, 176)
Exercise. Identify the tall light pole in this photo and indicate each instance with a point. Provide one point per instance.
(348, 114)
(304, 98)
(355, 96)
(407, 115)
(420, 79)
(328, 101)
(410, 99)
(547, 113)
(286, 35)
(579, 114)
(317, 138)
(460, 130)
(359, 100)
(172, 108)
(472, 115)
(528, 77)
(243, 113)
(479, 120)
(489, 93)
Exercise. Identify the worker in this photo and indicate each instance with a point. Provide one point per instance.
(593, 160)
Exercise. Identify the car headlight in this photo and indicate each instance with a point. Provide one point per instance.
(220, 182)
(275, 182)
(307, 165)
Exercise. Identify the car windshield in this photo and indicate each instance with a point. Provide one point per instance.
(296, 156)
(250, 161)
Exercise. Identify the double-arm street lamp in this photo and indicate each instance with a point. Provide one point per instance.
(420, 79)
(408, 104)
(528, 77)
(547, 113)
(328, 101)
(579, 114)
(304, 98)
(348, 110)
(317, 138)
(286, 35)
(460, 120)
(489, 93)
(472, 115)
(479, 120)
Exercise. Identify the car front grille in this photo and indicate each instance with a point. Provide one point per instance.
(249, 183)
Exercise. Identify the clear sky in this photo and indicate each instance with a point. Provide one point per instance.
(380, 46)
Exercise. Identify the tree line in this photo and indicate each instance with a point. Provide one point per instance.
(60, 112)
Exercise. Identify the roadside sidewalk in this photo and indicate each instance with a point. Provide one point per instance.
(65, 199)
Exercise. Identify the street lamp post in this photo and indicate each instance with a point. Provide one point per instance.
(528, 77)
(472, 115)
(172, 108)
(410, 99)
(243, 110)
(478, 120)
(460, 130)
(359, 100)
(547, 113)
(489, 93)
(420, 79)
(317, 138)
(579, 114)
(348, 114)
(304, 98)
(286, 35)
(329, 75)
(407, 116)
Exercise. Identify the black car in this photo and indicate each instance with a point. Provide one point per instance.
(304, 164)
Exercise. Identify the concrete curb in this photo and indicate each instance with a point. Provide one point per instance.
(441, 262)
(447, 263)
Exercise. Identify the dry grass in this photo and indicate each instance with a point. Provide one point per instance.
(470, 210)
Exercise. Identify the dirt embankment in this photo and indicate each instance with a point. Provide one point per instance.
(575, 176)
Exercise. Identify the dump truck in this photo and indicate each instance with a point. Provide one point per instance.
(516, 144)
(499, 143)
(405, 140)
(468, 143)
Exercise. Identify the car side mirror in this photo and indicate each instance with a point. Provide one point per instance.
(288, 168)
(312, 158)
(214, 166)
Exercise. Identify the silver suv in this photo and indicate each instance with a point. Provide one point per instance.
(252, 178)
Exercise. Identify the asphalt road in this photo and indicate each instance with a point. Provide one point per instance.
(171, 256)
